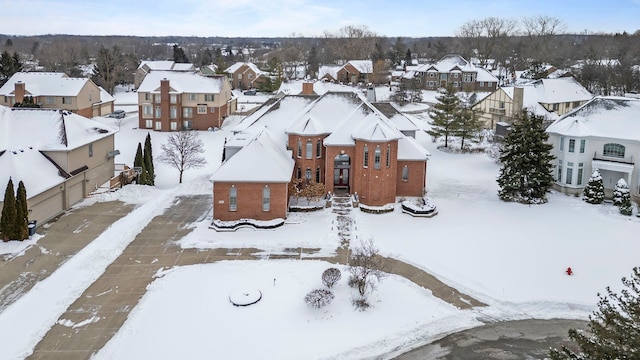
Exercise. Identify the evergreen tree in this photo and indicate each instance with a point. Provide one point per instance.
(593, 193)
(407, 57)
(105, 68)
(444, 118)
(313, 63)
(613, 329)
(625, 207)
(621, 191)
(179, 55)
(148, 161)
(22, 213)
(139, 162)
(526, 174)
(9, 214)
(9, 65)
(468, 126)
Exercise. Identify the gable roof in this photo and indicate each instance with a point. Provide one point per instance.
(183, 82)
(559, 90)
(44, 84)
(165, 65)
(261, 160)
(607, 117)
(233, 68)
(363, 66)
(330, 70)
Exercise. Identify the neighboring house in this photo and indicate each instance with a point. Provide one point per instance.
(603, 134)
(338, 139)
(550, 98)
(148, 66)
(355, 71)
(171, 101)
(452, 70)
(52, 90)
(60, 157)
(328, 72)
(244, 75)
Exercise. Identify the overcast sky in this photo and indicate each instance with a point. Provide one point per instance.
(283, 18)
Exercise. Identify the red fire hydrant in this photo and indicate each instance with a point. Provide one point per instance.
(569, 271)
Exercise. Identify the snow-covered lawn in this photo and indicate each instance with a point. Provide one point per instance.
(510, 256)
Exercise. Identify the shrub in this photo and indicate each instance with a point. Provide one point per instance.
(330, 277)
(318, 298)
(360, 303)
(626, 208)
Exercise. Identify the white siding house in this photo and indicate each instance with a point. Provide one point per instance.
(602, 134)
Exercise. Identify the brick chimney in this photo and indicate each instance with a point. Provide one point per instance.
(307, 88)
(165, 106)
(18, 92)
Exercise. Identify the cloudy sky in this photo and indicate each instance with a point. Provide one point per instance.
(282, 18)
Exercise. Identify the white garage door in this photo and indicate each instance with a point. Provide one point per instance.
(75, 193)
(47, 208)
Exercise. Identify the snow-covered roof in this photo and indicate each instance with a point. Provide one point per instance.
(166, 65)
(44, 84)
(24, 133)
(319, 87)
(233, 68)
(105, 97)
(331, 70)
(531, 102)
(606, 117)
(261, 160)
(409, 149)
(182, 82)
(559, 90)
(363, 66)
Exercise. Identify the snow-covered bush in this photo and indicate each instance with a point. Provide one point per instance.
(626, 208)
(620, 193)
(593, 193)
(330, 277)
(422, 205)
(318, 298)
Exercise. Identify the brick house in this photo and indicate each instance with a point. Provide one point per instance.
(60, 156)
(338, 139)
(53, 90)
(353, 72)
(244, 75)
(452, 70)
(172, 101)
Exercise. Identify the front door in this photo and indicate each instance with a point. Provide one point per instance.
(340, 178)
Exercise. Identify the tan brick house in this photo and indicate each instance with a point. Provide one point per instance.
(338, 139)
(452, 70)
(172, 101)
(54, 90)
(244, 75)
(60, 156)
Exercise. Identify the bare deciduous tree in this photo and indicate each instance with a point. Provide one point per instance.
(486, 36)
(183, 151)
(540, 31)
(330, 277)
(319, 298)
(365, 266)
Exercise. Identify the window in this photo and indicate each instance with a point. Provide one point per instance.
(147, 96)
(376, 158)
(308, 150)
(455, 75)
(173, 113)
(148, 124)
(562, 143)
(455, 84)
(559, 179)
(158, 125)
(193, 97)
(572, 145)
(240, 76)
(613, 150)
(174, 125)
(233, 198)
(576, 104)
(249, 76)
(66, 100)
(582, 145)
(157, 98)
(90, 150)
(556, 107)
(307, 174)
(443, 76)
(158, 112)
(147, 110)
(208, 97)
(298, 173)
(50, 100)
(173, 98)
(388, 161)
(319, 148)
(365, 161)
(432, 83)
(432, 75)
(405, 173)
(202, 109)
(266, 198)
(481, 83)
(501, 104)
(318, 175)
(187, 112)
(299, 148)
(187, 125)
(467, 77)
(569, 173)
(580, 173)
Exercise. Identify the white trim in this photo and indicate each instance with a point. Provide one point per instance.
(612, 166)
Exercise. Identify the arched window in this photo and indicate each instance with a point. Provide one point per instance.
(299, 148)
(307, 174)
(388, 155)
(405, 173)
(613, 150)
(266, 198)
(319, 148)
(365, 161)
(308, 149)
(233, 198)
(376, 158)
(318, 174)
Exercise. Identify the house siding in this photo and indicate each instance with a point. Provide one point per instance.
(249, 201)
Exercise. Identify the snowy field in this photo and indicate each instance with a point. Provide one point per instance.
(510, 256)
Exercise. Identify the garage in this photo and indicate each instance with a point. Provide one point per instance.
(47, 208)
(75, 193)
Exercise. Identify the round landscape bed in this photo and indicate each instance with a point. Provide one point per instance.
(245, 297)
